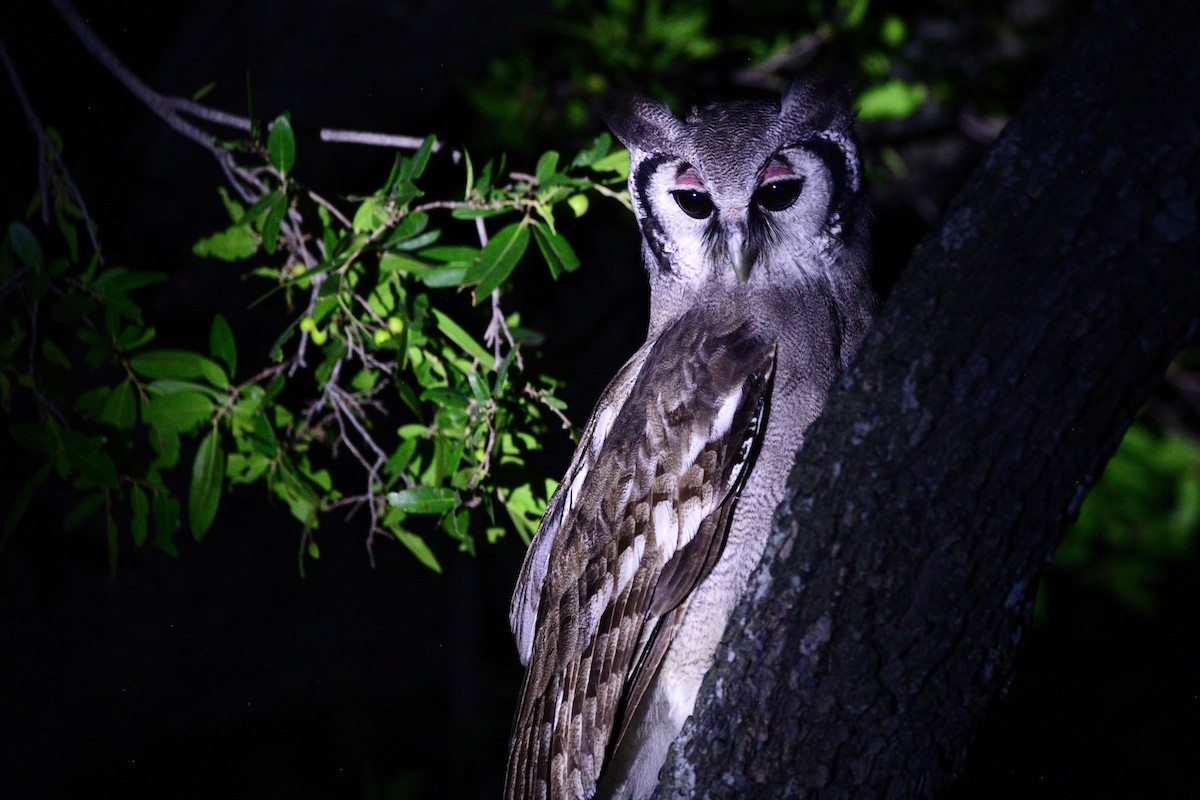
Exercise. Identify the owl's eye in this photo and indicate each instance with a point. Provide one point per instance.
(695, 203)
(777, 196)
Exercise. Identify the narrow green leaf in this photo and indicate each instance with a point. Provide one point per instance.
(221, 344)
(179, 364)
(390, 262)
(455, 333)
(418, 548)
(467, 212)
(417, 242)
(200, 93)
(423, 500)
(497, 260)
(272, 223)
(26, 245)
(260, 206)
(560, 256)
(421, 157)
(451, 254)
(166, 521)
(235, 209)
(208, 476)
(140, 507)
(120, 409)
(281, 144)
(444, 277)
(21, 502)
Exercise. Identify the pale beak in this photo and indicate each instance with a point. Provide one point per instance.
(735, 241)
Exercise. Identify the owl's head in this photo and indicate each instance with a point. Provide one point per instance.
(747, 193)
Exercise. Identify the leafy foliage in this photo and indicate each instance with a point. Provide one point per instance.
(1143, 514)
(436, 419)
(586, 50)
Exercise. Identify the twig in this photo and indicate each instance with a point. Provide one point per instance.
(396, 141)
(49, 159)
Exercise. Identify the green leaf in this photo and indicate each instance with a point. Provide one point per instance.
(55, 355)
(208, 476)
(894, 99)
(468, 212)
(599, 148)
(547, 167)
(423, 500)
(140, 512)
(451, 254)
(418, 548)
(235, 209)
(412, 225)
(444, 277)
(421, 157)
(578, 204)
(221, 344)
(455, 333)
(179, 364)
(281, 144)
(177, 412)
(26, 245)
(853, 12)
(272, 222)
(166, 520)
(390, 262)
(21, 502)
(893, 31)
(120, 409)
(617, 162)
(89, 505)
(559, 255)
(370, 215)
(497, 260)
(235, 243)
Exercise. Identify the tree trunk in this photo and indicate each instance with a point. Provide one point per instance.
(893, 597)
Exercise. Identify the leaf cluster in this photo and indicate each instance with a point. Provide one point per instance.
(1143, 514)
(381, 367)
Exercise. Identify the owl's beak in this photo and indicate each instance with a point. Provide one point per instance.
(735, 241)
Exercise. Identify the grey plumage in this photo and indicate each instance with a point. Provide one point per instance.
(755, 242)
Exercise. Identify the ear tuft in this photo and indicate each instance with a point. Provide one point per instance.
(643, 124)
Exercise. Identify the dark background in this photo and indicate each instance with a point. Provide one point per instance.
(223, 672)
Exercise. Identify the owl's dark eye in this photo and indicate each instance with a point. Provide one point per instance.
(777, 196)
(695, 203)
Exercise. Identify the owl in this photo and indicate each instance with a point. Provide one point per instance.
(754, 237)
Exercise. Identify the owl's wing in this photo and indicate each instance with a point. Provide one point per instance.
(639, 523)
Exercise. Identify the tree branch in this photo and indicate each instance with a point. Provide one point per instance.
(888, 610)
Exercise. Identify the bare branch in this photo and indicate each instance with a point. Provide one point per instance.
(50, 163)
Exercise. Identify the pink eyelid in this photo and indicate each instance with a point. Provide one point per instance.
(776, 171)
(689, 179)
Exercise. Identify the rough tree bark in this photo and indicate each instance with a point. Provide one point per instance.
(892, 600)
